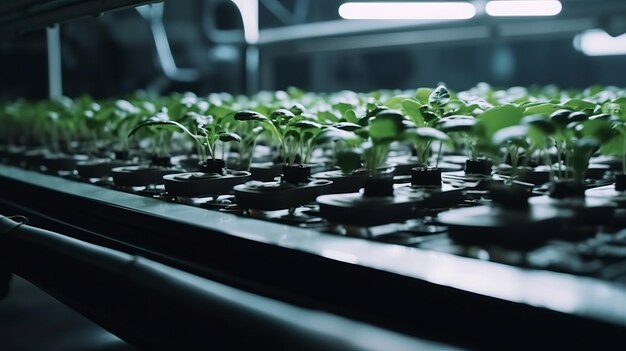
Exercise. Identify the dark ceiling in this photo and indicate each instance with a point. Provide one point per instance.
(115, 54)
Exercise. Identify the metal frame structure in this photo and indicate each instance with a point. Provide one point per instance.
(17, 16)
(341, 35)
(263, 46)
(410, 290)
(25, 15)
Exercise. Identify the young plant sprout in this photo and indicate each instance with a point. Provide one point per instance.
(94, 125)
(423, 118)
(617, 146)
(207, 132)
(492, 134)
(575, 137)
(614, 116)
(423, 139)
(9, 132)
(344, 146)
(514, 141)
(125, 116)
(222, 108)
(539, 129)
(574, 148)
(463, 126)
(61, 124)
(249, 136)
(291, 130)
(83, 129)
(162, 129)
(24, 124)
(384, 128)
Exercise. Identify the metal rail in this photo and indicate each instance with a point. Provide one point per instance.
(27, 15)
(256, 248)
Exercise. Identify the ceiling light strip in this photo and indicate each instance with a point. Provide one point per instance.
(517, 8)
(407, 10)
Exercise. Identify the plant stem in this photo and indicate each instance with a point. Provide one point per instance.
(624, 157)
(439, 154)
(548, 162)
(558, 158)
(567, 163)
(209, 148)
(283, 151)
(513, 152)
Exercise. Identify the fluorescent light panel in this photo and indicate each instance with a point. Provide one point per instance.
(597, 42)
(523, 8)
(407, 10)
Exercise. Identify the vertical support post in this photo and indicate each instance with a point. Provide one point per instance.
(252, 69)
(267, 72)
(55, 77)
(249, 10)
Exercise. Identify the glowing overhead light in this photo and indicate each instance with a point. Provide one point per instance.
(523, 8)
(597, 42)
(407, 10)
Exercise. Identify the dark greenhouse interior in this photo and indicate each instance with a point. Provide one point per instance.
(312, 175)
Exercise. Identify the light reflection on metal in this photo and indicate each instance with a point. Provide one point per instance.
(153, 14)
(335, 28)
(407, 10)
(523, 8)
(249, 10)
(364, 41)
(597, 42)
(279, 11)
(511, 285)
(340, 256)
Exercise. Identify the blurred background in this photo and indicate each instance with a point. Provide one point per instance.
(201, 46)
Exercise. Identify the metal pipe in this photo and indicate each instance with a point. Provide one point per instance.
(153, 14)
(55, 74)
(249, 11)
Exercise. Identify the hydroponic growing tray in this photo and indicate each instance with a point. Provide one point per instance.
(407, 287)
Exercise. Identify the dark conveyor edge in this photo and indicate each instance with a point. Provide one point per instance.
(154, 306)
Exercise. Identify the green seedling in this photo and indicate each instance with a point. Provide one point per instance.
(291, 130)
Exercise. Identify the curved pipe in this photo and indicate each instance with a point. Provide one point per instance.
(153, 14)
